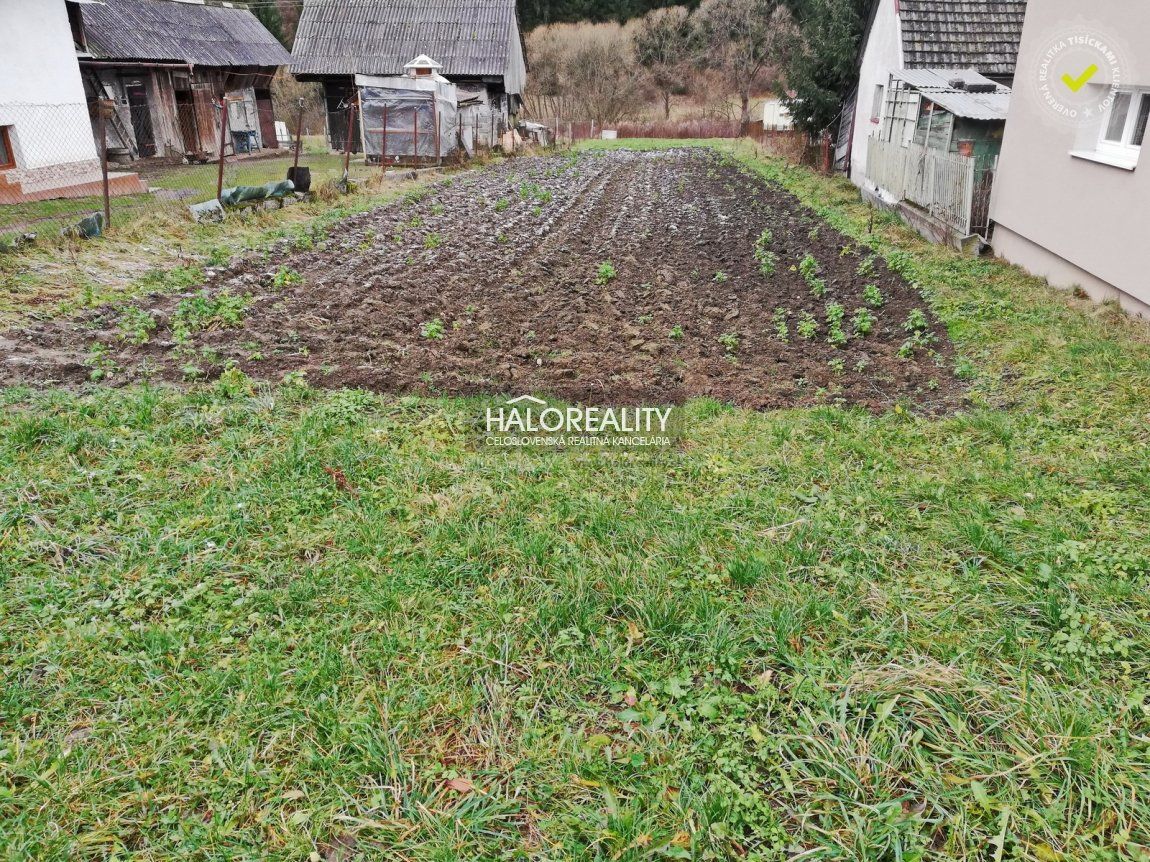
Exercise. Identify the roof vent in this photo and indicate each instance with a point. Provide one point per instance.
(420, 66)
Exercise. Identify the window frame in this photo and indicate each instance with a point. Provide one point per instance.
(6, 139)
(1123, 148)
(878, 103)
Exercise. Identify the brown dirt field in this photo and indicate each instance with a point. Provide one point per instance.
(506, 258)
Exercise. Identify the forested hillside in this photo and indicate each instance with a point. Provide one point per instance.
(281, 16)
(532, 13)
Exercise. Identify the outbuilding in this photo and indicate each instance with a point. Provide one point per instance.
(476, 45)
(166, 64)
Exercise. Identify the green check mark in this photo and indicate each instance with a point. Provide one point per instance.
(1076, 84)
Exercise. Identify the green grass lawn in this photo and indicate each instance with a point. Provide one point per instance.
(324, 166)
(243, 623)
(193, 183)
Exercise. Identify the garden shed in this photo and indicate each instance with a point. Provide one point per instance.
(476, 43)
(948, 110)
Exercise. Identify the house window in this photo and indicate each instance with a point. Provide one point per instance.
(1122, 132)
(7, 157)
(876, 106)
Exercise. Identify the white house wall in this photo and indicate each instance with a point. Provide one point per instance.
(881, 56)
(1074, 221)
(41, 93)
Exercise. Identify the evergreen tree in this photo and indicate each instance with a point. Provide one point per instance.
(269, 15)
(824, 68)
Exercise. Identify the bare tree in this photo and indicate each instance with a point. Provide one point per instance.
(583, 70)
(665, 44)
(548, 50)
(750, 40)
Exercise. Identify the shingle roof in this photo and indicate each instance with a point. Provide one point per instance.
(376, 37)
(983, 34)
(167, 30)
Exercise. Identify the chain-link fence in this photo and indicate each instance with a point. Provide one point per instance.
(91, 167)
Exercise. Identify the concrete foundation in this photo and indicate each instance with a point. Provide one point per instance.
(1062, 273)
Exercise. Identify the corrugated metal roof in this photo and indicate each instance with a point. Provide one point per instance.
(953, 33)
(376, 37)
(935, 85)
(179, 32)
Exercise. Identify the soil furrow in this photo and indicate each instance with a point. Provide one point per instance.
(496, 282)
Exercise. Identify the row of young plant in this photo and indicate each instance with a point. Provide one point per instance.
(862, 321)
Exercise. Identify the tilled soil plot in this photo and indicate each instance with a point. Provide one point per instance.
(618, 277)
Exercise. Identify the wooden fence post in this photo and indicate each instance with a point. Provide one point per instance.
(347, 143)
(223, 144)
(383, 144)
(415, 135)
(103, 108)
(298, 137)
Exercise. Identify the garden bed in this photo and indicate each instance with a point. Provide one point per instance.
(604, 277)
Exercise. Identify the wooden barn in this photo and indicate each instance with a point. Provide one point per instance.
(166, 64)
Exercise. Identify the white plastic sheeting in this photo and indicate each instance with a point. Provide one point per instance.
(404, 118)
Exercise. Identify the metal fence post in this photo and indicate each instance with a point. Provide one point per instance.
(435, 116)
(223, 144)
(415, 134)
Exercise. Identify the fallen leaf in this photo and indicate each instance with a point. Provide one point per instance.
(460, 785)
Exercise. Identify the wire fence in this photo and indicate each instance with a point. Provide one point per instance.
(77, 168)
(792, 143)
(80, 169)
